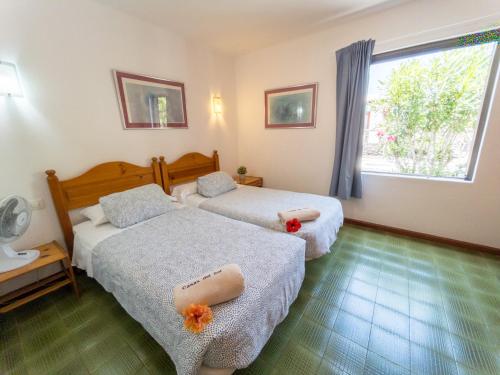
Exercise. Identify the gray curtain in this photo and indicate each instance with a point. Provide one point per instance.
(353, 68)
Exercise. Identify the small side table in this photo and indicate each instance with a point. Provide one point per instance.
(49, 253)
(250, 181)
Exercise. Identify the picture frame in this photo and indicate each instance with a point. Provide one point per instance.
(291, 107)
(149, 102)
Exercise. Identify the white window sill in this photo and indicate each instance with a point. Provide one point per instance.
(417, 177)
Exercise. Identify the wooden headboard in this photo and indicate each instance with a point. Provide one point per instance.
(187, 168)
(86, 189)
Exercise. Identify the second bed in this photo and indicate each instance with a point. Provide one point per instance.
(254, 205)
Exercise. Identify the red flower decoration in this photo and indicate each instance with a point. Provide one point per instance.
(293, 225)
(197, 317)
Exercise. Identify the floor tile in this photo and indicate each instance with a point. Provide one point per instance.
(75, 367)
(468, 328)
(124, 362)
(432, 337)
(358, 306)
(331, 295)
(390, 346)
(353, 328)
(428, 313)
(391, 321)
(273, 348)
(52, 358)
(297, 360)
(311, 335)
(345, 355)
(258, 367)
(321, 312)
(337, 279)
(393, 301)
(461, 306)
(97, 355)
(377, 365)
(428, 362)
(11, 358)
(144, 346)
(429, 294)
(394, 283)
(362, 289)
(475, 355)
(490, 298)
(160, 364)
(287, 326)
(366, 273)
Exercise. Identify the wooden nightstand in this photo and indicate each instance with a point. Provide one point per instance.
(49, 253)
(250, 181)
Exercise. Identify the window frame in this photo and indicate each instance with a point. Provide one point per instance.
(445, 45)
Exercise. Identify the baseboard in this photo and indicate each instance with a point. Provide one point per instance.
(425, 236)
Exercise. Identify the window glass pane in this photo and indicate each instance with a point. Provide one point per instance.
(423, 111)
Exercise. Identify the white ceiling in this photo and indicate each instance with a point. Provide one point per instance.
(239, 26)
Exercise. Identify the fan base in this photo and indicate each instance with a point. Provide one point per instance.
(11, 259)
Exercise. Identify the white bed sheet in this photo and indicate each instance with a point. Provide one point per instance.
(87, 237)
(319, 234)
(194, 200)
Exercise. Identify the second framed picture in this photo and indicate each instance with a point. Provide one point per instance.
(291, 107)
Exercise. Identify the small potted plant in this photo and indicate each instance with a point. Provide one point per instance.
(242, 171)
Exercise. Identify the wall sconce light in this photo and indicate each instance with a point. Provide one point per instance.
(9, 80)
(217, 105)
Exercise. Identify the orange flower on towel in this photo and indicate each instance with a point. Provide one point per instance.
(197, 317)
(293, 225)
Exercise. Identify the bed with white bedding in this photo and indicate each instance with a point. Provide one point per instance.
(141, 265)
(260, 206)
(151, 252)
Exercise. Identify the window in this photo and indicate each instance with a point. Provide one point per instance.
(427, 107)
(158, 105)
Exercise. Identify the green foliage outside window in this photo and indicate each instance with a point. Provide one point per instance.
(430, 111)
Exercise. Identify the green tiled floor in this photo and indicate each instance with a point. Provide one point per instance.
(378, 304)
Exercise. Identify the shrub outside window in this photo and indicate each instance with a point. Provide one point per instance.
(428, 105)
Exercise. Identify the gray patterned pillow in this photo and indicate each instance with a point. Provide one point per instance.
(214, 184)
(135, 205)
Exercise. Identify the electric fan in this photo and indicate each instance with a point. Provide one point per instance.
(15, 216)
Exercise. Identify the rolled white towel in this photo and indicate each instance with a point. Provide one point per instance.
(302, 214)
(217, 286)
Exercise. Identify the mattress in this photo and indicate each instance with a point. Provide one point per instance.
(260, 206)
(140, 266)
(87, 237)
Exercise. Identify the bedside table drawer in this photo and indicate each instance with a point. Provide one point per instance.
(257, 183)
(250, 181)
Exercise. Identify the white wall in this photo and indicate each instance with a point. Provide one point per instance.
(302, 160)
(69, 118)
(65, 51)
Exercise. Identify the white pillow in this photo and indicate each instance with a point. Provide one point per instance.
(135, 205)
(95, 214)
(182, 191)
(214, 184)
